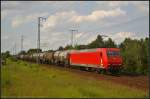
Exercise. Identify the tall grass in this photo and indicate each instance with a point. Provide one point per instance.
(22, 79)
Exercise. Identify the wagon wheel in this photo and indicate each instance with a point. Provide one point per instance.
(82, 68)
(66, 64)
(89, 69)
(98, 70)
(115, 71)
(101, 71)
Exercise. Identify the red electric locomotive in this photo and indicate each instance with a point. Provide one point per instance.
(99, 58)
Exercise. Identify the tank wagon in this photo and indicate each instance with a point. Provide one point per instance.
(48, 57)
(99, 59)
(62, 57)
(41, 57)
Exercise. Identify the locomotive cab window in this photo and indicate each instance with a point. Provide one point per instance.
(113, 53)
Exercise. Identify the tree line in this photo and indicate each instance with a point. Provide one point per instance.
(135, 53)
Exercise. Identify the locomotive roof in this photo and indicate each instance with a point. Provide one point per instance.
(94, 49)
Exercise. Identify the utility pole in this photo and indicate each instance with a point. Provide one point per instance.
(21, 43)
(40, 19)
(72, 30)
(14, 49)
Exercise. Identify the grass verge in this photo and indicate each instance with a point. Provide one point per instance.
(23, 79)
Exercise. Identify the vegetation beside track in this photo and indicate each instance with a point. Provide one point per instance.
(23, 79)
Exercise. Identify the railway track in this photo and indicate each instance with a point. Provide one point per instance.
(139, 82)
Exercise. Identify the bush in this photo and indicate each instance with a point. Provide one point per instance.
(135, 55)
(14, 59)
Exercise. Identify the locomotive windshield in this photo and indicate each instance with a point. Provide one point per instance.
(113, 53)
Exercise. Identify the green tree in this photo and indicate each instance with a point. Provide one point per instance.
(22, 52)
(5, 54)
(80, 47)
(110, 44)
(60, 48)
(133, 54)
(144, 55)
(98, 43)
(146, 51)
(30, 51)
(68, 47)
(49, 51)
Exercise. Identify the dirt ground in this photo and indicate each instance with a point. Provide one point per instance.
(139, 82)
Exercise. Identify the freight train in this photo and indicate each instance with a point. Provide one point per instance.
(98, 59)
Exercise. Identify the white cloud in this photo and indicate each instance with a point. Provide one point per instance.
(141, 5)
(99, 14)
(78, 35)
(120, 36)
(53, 39)
(92, 38)
(50, 22)
(57, 19)
(73, 17)
(4, 14)
(144, 8)
(113, 4)
(117, 3)
(10, 5)
(5, 37)
(124, 34)
(88, 38)
(28, 44)
(19, 20)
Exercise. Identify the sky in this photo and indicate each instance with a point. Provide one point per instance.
(115, 19)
